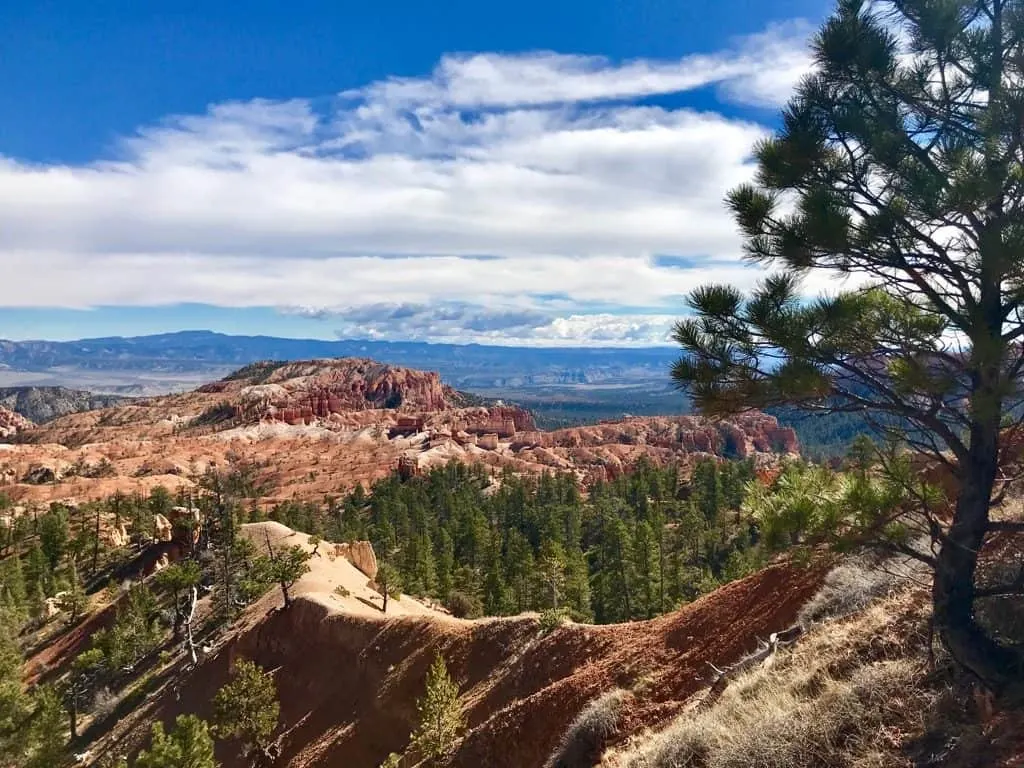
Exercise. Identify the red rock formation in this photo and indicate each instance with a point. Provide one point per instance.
(301, 393)
(503, 421)
(407, 467)
(407, 425)
(12, 423)
(742, 436)
(530, 439)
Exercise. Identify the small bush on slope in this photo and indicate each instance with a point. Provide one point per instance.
(853, 585)
(585, 740)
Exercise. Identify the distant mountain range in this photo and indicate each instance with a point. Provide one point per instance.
(188, 353)
(563, 386)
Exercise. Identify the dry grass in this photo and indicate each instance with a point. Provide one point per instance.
(583, 743)
(855, 693)
(853, 585)
(807, 720)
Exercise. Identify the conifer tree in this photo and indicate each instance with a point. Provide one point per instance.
(14, 703)
(188, 745)
(496, 597)
(441, 719)
(898, 162)
(38, 574)
(286, 567)
(13, 591)
(246, 708)
(80, 685)
(389, 582)
(74, 599)
(551, 575)
(46, 731)
(647, 567)
(177, 579)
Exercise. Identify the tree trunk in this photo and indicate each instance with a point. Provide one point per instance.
(176, 629)
(96, 545)
(999, 668)
(188, 626)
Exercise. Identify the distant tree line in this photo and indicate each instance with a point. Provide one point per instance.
(630, 548)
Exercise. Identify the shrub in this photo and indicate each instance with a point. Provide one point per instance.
(582, 744)
(552, 619)
(341, 591)
(850, 587)
(463, 605)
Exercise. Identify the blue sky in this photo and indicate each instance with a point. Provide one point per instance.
(531, 172)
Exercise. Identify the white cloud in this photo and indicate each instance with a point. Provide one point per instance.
(550, 164)
(496, 80)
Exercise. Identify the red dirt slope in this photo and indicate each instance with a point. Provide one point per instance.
(348, 684)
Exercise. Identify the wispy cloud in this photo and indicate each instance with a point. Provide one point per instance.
(553, 166)
(776, 57)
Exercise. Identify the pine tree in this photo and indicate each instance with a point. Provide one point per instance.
(496, 596)
(389, 583)
(46, 732)
(80, 684)
(520, 569)
(177, 579)
(74, 600)
(14, 594)
(577, 585)
(53, 535)
(286, 567)
(706, 483)
(445, 563)
(246, 707)
(188, 745)
(38, 574)
(14, 704)
(441, 720)
(897, 162)
(647, 567)
(551, 568)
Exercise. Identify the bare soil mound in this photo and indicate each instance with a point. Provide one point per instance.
(348, 680)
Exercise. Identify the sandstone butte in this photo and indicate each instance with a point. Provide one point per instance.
(318, 427)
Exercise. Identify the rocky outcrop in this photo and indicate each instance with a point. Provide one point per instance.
(741, 436)
(42, 404)
(116, 536)
(162, 528)
(186, 525)
(355, 421)
(360, 554)
(504, 421)
(12, 423)
(298, 393)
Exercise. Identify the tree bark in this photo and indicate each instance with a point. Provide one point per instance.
(287, 598)
(999, 668)
(194, 599)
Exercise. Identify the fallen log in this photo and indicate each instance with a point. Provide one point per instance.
(765, 649)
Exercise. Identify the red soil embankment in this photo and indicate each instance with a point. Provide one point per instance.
(348, 684)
